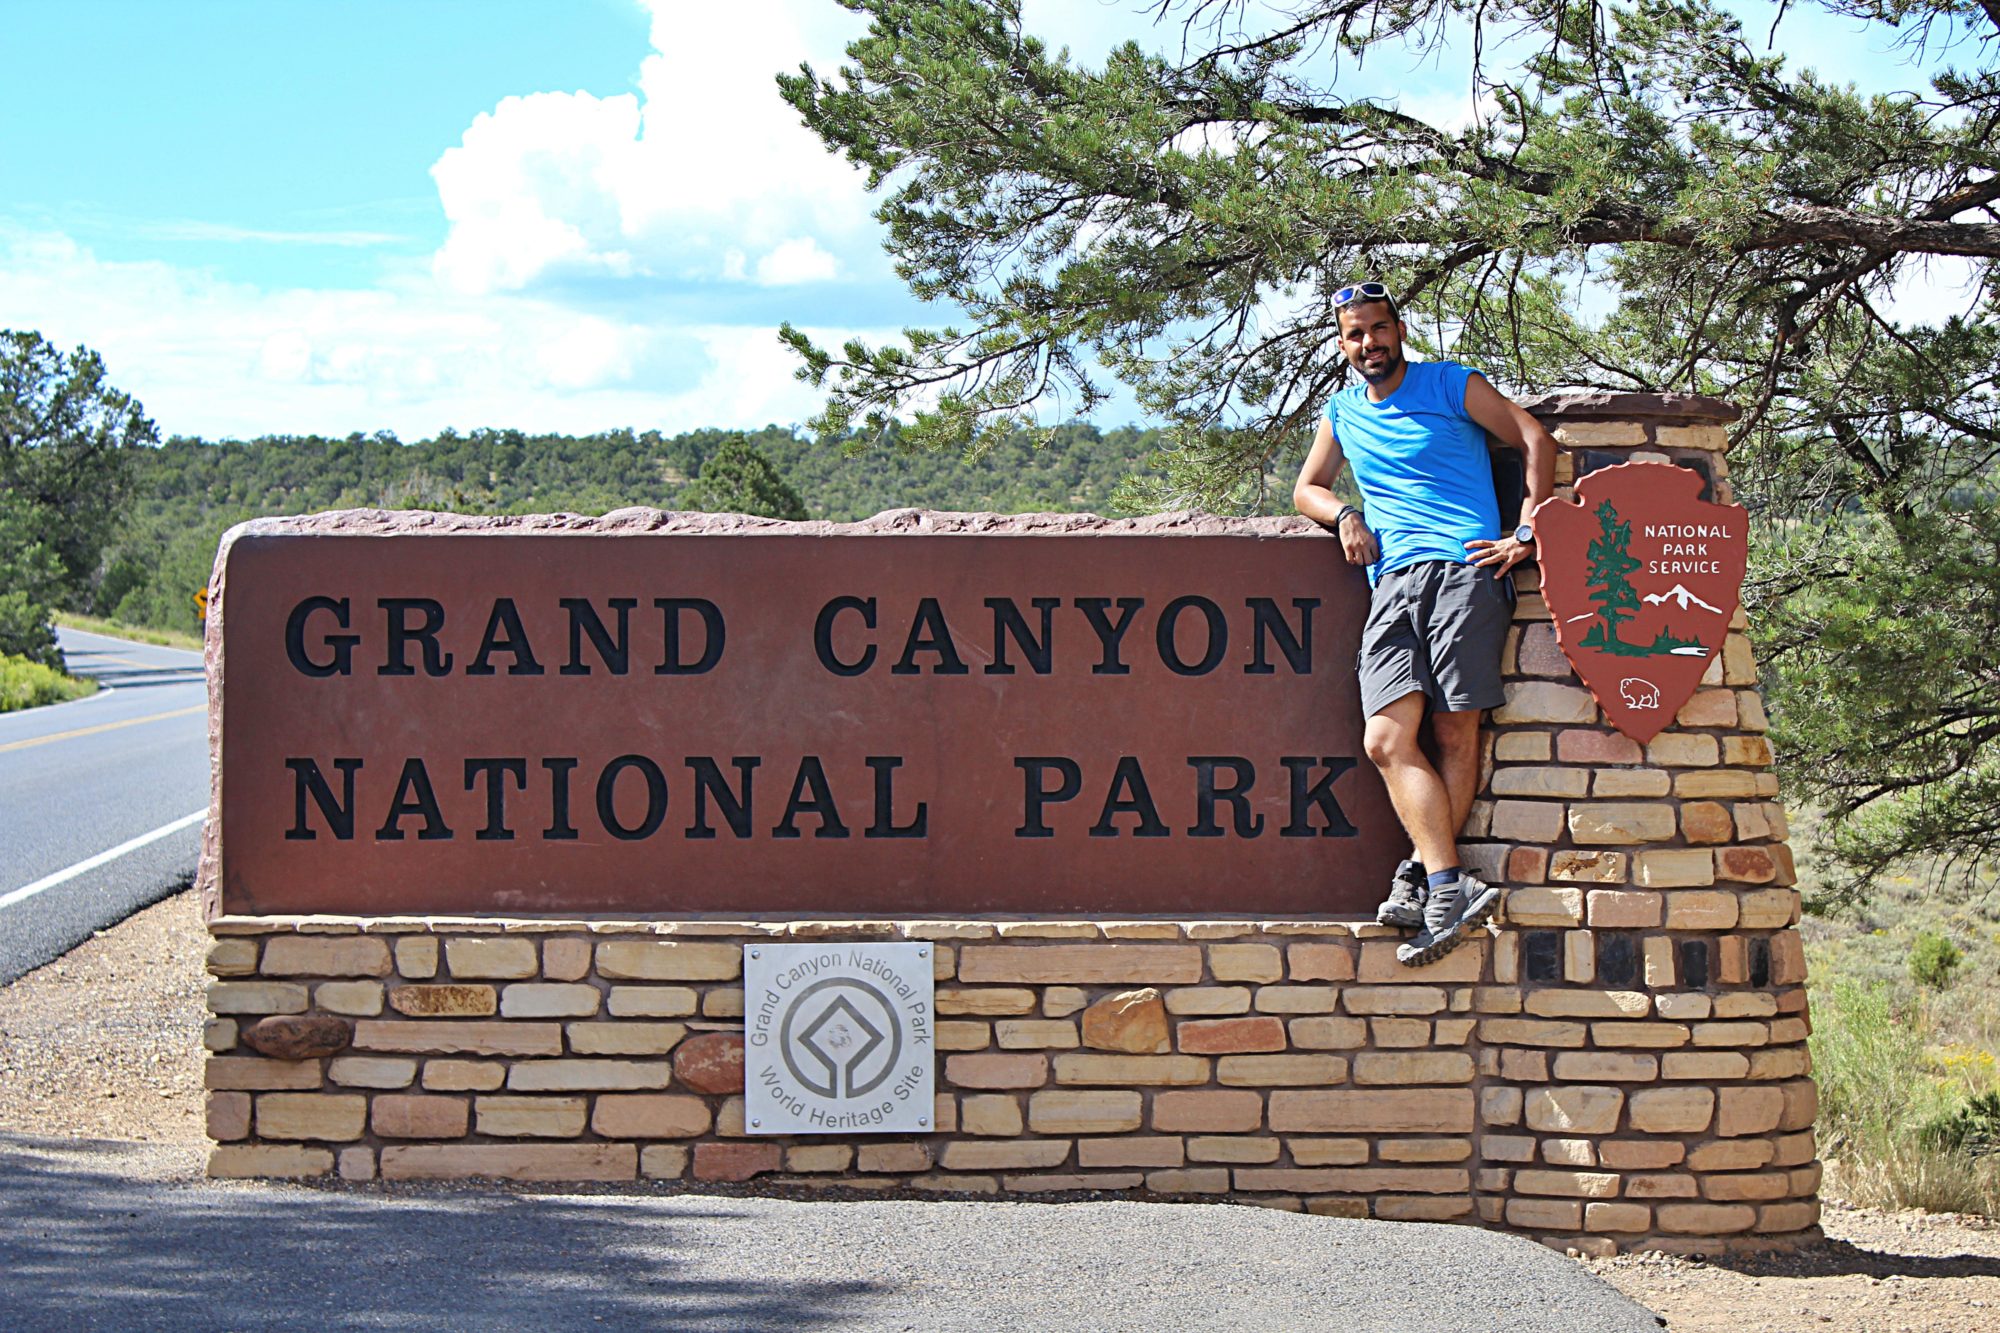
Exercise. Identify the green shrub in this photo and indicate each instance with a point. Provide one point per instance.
(1973, 1128)
(1934, 960)
(25, 684)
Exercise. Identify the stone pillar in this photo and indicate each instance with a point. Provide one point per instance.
(1644, 1074)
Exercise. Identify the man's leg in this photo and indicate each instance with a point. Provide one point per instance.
(1422, 800)
(1457, 736)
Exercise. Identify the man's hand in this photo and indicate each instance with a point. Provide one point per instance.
(1357, 540)
(1502, 555)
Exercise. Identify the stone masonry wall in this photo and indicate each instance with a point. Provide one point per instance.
(1621, 1065)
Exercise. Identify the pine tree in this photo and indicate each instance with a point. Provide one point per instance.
(1611, 561)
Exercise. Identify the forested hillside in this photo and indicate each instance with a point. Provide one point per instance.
(187, 492)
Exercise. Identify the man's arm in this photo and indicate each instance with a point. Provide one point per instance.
(1507, 422)
(1313, 496)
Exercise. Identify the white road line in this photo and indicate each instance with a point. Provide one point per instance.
(102, 858)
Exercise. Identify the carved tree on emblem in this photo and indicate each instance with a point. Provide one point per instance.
(1611, 562)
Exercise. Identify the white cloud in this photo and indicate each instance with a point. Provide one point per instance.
(705, 173)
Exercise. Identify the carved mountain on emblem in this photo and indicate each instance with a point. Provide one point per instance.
(1681, 597)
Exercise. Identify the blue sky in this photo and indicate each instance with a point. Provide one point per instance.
(278, 217)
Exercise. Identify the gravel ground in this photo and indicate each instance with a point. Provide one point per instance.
(105, 1044)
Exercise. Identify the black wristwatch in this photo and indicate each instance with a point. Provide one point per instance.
(1525, 534)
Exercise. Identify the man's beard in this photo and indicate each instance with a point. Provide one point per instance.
(1391, 363)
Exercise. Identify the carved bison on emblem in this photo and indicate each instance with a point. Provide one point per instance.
(1639, 693)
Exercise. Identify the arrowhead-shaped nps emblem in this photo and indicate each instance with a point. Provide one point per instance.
(1641, 576)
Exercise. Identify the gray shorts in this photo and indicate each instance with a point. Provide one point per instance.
(1436, 627)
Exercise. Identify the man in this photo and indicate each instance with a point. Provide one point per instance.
(1429, 534)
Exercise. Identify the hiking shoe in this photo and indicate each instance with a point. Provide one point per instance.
(1404, 906)
(1451, 916)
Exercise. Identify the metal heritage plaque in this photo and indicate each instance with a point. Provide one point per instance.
(838, 1039)
(668, 714)
(1641, 577)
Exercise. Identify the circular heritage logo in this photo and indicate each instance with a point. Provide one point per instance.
(839, 1038)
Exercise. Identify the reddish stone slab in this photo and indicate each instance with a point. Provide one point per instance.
(1641, 576)
(651, 713)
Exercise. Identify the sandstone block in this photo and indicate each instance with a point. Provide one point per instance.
(1624, 783)
(370, 1071)
(232, 958)
(1576, 1109)
(650, 1116)
(1014, 1070)
(1683, 1006)
(1394, 999)
(1731, 1155)
(246, 1073)
(1499, 1106)
(1526, 821)
(1545, 1214)
(1406, 1033)
(1318, 961)
(219, 1034)
(333, 1117)
(711, 1062)
(587, 1075)
(1297, 999)
(1569, 1152)
(1545, 701)
(1780, 1217)
(500, 957)
(1523, 1066)
(666, 960)
(1130, 1070)
(984, 1003)
(1379, 1110)
(1680, 749)
(1232, 1149)
(1712, 910)
(1607, 1067)
(326, 956)
(1130, 1152)
(229, 1116)
(1328, 1152)
(1621, 1217)
(1746, 865)
(457, 1038)
(355, 999)
(1380, 1068)
(298, 1037)
(990, 1116)
(1654, 1036)
(1523, 747)
(959, 1034)
(1706, 822)
(1744, 1111)
(1207, 1000)
(1624, 908)
(444, 1001)
(1195, 1180)
(1677, 867)
(1746, 751)
(1271, 1071)
(1728, 783)
(1708, 708)
(1579, 746)
(1617, 823)
(417, 957)
(1590, 867)
(1672, 1110)
(1569, 1184)
(1132, 1021)
(1425, 1150)
(1746, 1004)
(565, 959)
(1038, 1034)
(530, 1117)
(1208, 1112)
(1354, 1180)
(463, 1075)
(1704, 1219)
(549, 999)
(256, 997)
(894, 1158)
(1082, 964)
(1062, 1001)
(1231, 1036)
(1544, 907)
(1595, 434)
(1588, 1004)
(1768, 909)
(1538, 655)
(1639, 1154)
(653, 1002)
(1327, 1034)
(516, 1161)
(1245, 962)
(1789, 1062)
(270, 1161)
(813, 1158)
(356, 1163)
(1004, 1155)
(1530, 1032)
(1546, 782)
(1705, 1066)
(417, 1116)
(1731, 1034)
(1507, 1147)
(625, 1038)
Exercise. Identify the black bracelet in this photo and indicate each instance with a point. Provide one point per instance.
(1341, 517)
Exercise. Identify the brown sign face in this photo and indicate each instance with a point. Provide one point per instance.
(1641, 577)
(785, 719)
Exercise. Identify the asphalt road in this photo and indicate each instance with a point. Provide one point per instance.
(83, 779)
(86, 1245)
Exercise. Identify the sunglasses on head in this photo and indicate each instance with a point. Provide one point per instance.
(1360, 291)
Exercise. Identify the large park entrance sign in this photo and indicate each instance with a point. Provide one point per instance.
(683, 714)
